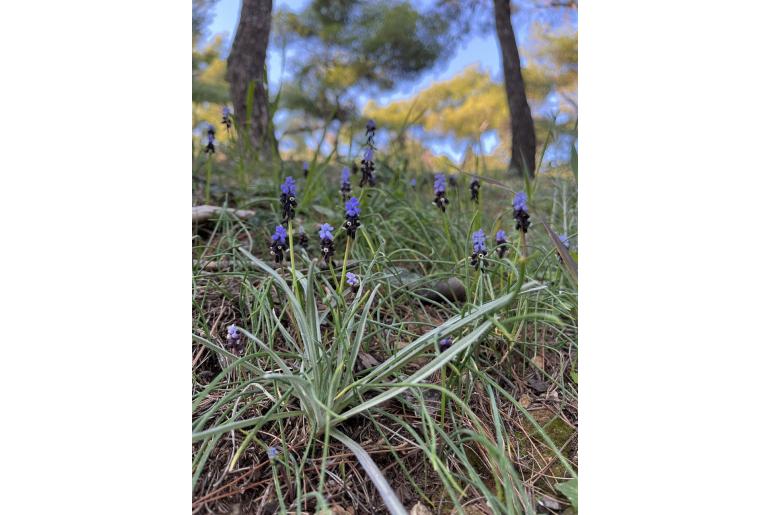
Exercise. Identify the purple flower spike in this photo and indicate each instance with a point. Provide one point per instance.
(289, 186)
(479, 241)
(272, 453)
(280, 234)
(232, 332)
(352, 207)
(326, 232)
(564, 240)
(502, 243)
(479, 248)
(345, 175)
(520, 201)
(444, 344)
(413, 183)
(370, 126)
(368, 154)
(352, 279)
(439, 184)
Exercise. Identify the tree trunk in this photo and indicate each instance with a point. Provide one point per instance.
(246, 64)
(522, 127)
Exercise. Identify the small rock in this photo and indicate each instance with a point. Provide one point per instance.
(420, 509)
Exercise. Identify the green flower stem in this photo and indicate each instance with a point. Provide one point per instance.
(344, 265)
(291, 258)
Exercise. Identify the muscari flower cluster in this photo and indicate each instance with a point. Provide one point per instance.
(444, 344)
(305, 168)
(367, 168)
(327, 242)
(352, 211)
(502, 243)
(278, 245)
(475, 185)
(352, 279)
(439, 188)
(479, 248)
(564, 240)
(345, 184)
(227, 121)
(302, 236)
(210, 146)
(520, 211)
(288, 198)
(234, 342)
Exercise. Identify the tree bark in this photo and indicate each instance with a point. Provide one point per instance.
(522, 126)
(246, 64)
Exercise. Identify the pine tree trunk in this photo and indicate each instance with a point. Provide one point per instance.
(246, 64)
(522, 127)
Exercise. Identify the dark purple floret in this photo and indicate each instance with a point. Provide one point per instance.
(345, 183)
(351, 279)
(226, 119)
(352, 211)
(278, 244)
(475, 185)
(302, 237)
(439, 188)
(327, 242)
(502, 243)
(210, 146)
(367, 168)
(479, 249)
(234, 342)
(288, 198)
(444, 344)
(521, 212)
(370, 129)
(305, 168)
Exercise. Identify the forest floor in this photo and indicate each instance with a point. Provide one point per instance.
(485, 422)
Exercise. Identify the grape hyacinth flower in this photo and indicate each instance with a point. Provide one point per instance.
(371, 127)
(475, 185)
(345, 184)
(272, 453)
(520, 211)
(479, 248)
(413, 183)
(288, 198)
(210, 146)
(444, 344)
(352, 211)
(305, 168)
(439, 188)
(227, 121)
(367, 168)
(278, 245)
(234, 343)
(352, 279)
(302, 237)
(502, 243)
(327, 242)
(564, 240)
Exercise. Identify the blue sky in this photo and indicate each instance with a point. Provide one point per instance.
(481, 50)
